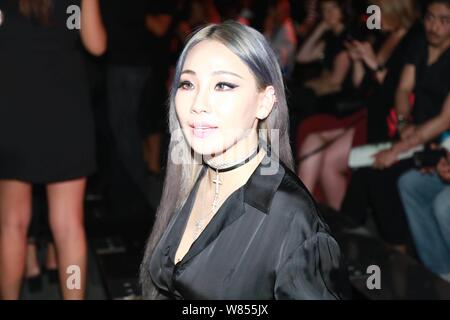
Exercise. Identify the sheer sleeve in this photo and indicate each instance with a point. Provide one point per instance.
(314, 271)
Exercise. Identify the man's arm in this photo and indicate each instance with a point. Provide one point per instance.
(428, 131)
(404, 90)
(423, 134)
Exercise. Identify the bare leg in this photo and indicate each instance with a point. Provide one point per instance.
(66, 216)
(32, 268)
(15, 215)
(335, 165)
(51, 262)
(309, 169)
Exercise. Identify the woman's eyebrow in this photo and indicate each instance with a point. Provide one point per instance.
(188, 71)
(227, 72)
(213, 73)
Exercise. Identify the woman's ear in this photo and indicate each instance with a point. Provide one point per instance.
(266, 102)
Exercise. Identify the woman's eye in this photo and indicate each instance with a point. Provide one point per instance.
(186, 85)
(224, 86)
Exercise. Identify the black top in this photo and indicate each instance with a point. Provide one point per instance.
(129, 40)
(383, 98)
(432, 82)
(267, 241)
(334, 45)
(46, 124)
(161, 46)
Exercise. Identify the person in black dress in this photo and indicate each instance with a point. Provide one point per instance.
(46, 130)
(235, 222)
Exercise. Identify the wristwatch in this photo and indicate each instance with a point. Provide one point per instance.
(402, 122)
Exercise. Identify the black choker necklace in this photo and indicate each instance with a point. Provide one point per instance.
(230, 166)
(200, 223)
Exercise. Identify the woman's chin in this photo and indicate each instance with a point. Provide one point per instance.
(205, 148)
(208, 146)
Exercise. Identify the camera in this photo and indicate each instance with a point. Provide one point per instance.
(428, 158)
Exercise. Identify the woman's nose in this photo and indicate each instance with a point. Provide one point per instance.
(201, 102)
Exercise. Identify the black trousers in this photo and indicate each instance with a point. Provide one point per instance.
(125, 85)
(377, 190)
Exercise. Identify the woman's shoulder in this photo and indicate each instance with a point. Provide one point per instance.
(293, 188)
(275, 190)
(292, 203)
(295, 218)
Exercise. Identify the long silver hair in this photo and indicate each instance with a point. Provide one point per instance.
(252, 48)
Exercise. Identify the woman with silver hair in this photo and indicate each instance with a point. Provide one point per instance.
(234, 221)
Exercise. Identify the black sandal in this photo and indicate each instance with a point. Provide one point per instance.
(34, 283)
(52, 275)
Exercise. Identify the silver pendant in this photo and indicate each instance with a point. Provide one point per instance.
(2, 17)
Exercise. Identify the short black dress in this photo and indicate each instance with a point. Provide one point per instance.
(46, 124)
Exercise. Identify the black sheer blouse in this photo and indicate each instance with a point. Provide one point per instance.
(266, 241)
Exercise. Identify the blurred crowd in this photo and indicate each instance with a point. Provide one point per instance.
(347, 86)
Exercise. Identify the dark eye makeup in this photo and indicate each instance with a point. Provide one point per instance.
(183, 84)
(222, 86)
(226, 84)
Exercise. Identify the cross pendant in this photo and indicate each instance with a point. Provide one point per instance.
(218, 182)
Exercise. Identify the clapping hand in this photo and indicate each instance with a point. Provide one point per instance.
(359, 50)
